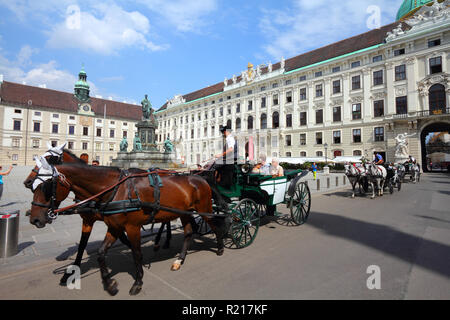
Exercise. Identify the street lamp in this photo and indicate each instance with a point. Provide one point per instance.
(326, 159)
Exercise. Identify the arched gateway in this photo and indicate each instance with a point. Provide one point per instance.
(436, 127)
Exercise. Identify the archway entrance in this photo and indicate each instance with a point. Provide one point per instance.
(435, 142)
(437, 98)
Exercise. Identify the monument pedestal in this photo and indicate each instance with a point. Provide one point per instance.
(146, 159)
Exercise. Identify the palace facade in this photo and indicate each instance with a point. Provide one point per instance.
(349, 98)
(31, 117)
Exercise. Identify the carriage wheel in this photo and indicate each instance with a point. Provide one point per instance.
(391, 187)
(245, 223)
(203, 227)
(300, 204)
(399, 185)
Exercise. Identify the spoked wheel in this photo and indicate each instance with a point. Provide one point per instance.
(399, 185)
(245, 219)
(300, 204)
(203, 227)
(391, 187)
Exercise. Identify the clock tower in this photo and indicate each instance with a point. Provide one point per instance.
(81, 93)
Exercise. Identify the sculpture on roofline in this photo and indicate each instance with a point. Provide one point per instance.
(124, 145)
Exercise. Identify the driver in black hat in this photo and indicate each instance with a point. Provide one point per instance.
(225, 161)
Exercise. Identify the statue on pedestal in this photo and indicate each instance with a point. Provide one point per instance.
(124, 145)
(137, 145)
(168, 146)
(401, 149)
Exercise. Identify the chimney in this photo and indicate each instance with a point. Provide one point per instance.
(98, 96)
(110, 98)
(1, 78)
(44, 86)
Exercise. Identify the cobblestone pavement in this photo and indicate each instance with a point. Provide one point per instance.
(60, 239)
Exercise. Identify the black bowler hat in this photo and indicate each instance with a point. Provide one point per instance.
(224, 128)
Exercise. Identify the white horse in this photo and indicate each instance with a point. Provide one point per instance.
(414, 170)
(377, 177)
(355, 175)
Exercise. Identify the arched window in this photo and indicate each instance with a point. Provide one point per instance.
(229, 123)
(238, 124)
(275, 120)
(288, 154)
(357, 153)
(337, 153)
(263, 121)
(319, 154)
(437, 99)
(303, 154)
(250, 123)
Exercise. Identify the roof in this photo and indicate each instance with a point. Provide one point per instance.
(359, 42)
(20, 94)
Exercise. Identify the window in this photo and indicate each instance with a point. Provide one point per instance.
(112, 122)
(288, 154)
(124, 134)
(288, 140)
(238, 124)
(336, 69)
(275, 85)
(336, 86)
(192, 133)
(356, 135)
(99, 132)
(85, 131)
(37, 127)
(356, 111)
(288, 82)
(15, 142)
(302, 94)
(220, 112)
(275, 99)
(357, 153)
(250, 105)
(249, 92)
(238, 95)
(377, 58)
(289, 97)
(289, 120)
(111, 133)
(84, 146)
(15, 157)
(303, 139)
(318, 74)
(228, 97)
(336, 114)
(70, 145)
(125, 124)
(17, 111)
(263, 121)
(199, 117)
(275, 120)
(319, 91)
(99, 120)
(435, 65)
(263, 102)
(434, 43)
(319, 154)
(303, 118)
(238, 108)
(399, 52)
(71, 130)
(400, 72)
(16, 125)
(36, 143)
(319, 116)
(401, 105)
(356, 82)
(54, 128)
(303, 154)
(71, 117)
(55, 115)
(318, 137)
(302, 78)
(336, 137)
(378, 78)
(263, 88)
(356, 64)
(379, 134)
(37, 113)
(378, 108)
(111, 147)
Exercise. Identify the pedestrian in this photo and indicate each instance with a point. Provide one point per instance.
(95, 163)
(1, 178)
(314, 170)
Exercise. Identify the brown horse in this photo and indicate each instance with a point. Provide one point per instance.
(54, 157)
(186, 193)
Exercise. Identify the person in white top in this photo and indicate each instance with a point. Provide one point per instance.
(275, 169)
(225, 161)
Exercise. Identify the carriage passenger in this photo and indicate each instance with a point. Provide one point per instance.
(262, 167)
(378, 158)
(275, 169)
(412, 160)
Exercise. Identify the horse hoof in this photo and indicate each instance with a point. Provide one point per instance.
(135, 289)
(220, 251)
(175, 267)
(156, 247)
(353, 195)
(63, 280)
(111, 287)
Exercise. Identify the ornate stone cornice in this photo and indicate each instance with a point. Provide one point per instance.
(356, 99)
(378, 95)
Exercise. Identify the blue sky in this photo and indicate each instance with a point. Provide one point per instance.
(165, 47)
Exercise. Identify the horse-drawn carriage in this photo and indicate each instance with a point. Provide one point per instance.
(251, 196)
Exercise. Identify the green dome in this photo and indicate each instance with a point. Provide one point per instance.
(408, 7)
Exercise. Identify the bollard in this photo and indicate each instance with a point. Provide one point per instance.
(337, 181)
(343, 179)
(318, 184)
(9, 234)
(328, 183)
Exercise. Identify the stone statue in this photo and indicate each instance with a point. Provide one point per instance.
(269, 68)
(282, 63)
(124, 145)
(225, 82)
(234, 78)
(137, 145)
(147, 110)
(168, 146)
(401, 149)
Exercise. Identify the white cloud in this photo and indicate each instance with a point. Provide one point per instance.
(105, 30)
(185, 15)
(306, 25)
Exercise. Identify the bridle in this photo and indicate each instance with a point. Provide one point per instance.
(51, 153)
